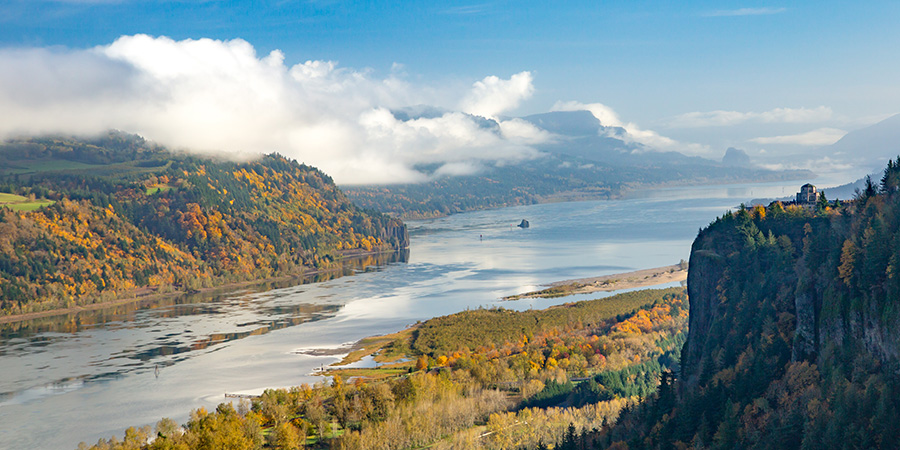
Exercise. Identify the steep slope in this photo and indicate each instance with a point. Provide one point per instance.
(129, 217)
(870, 145)
(793, 339)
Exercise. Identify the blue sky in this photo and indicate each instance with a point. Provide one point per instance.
(657, 64)
(624, 53)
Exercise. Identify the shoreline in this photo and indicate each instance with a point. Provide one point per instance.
(374, 345)
(152, 296)
(626, 193)
(608, 283)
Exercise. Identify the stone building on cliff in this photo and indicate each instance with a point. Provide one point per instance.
(808, 195)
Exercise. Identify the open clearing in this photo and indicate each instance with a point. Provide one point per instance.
(19, 203)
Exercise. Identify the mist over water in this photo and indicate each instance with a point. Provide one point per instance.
(94, 374)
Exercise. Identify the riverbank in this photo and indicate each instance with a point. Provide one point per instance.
(150, 294)
(450, 270)
(389, 352)
(607, 283)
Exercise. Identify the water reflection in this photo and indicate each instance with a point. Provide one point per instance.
(297, 314)
(200, 303)
(56, 355)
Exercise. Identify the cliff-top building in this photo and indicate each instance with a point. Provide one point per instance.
(807, 195)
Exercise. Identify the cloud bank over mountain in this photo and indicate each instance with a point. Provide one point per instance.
(818, 137)
(221, 97)
(633, 133)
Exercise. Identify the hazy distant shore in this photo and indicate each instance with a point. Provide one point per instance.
(607, 283)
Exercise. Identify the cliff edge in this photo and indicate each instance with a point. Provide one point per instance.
(793, 332)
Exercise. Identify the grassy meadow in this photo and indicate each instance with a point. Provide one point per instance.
(20, 203)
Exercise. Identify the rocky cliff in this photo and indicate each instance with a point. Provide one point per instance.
(793, 339)
(828, 278)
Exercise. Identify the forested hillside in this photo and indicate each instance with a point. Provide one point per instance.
(793, 339)
(481, 379)
(117, 216)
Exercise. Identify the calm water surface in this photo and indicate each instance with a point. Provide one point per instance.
(91, 375)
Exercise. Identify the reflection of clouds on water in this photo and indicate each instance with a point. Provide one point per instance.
(39, 392)
(374, 308)
(337, 350)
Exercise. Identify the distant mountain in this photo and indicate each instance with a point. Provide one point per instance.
(585, 160)
(736, 157)
(870, 146)
(580, 134)
(575, 124)
(848, 191)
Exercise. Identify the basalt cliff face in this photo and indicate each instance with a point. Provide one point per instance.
(794, 338)
(828, 281)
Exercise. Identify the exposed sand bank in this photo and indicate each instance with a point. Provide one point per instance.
(606, 283)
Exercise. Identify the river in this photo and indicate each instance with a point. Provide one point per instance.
(90, 375)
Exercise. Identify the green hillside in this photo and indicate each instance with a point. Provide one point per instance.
(793, 339)
(83, 221)
(518, 379)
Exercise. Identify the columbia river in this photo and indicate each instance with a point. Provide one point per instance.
(90, 375)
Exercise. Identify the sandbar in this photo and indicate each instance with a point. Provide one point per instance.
(607, 283)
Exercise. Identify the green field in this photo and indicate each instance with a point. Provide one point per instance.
(41, 165)
(157, 188)
(19, 203)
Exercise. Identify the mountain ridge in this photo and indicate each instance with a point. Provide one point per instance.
(870, 145)
(127, 215)
(583, 160)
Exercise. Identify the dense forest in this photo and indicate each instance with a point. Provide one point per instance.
(117, 216)
(793, 337)
(480, 379)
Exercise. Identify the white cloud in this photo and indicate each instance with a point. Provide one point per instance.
(745, 12)
(492, 95)
(524, 132)
(821, 136)
(464, 10)
(721, 118)
(220, 96)
(818, 165)
(603, 113)
(458, 169)
(608, 117)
